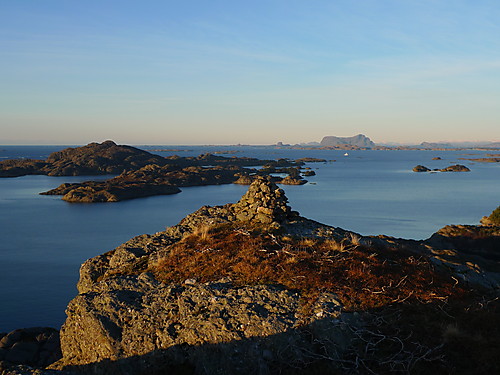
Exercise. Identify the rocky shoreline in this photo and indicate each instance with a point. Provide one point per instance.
(141, 174)
(254, 288)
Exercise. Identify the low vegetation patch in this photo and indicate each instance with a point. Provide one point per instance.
(362, 277)
(415, 320)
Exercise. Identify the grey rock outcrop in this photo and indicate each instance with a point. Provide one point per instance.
(202, 325)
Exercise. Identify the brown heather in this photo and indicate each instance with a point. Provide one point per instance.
(417, 320)
(362, 277)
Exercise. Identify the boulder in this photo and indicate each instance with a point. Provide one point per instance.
(37, 347)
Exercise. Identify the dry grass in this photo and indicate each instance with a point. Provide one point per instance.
(202, 232)
(355, 239)
(362, 278)
(415, 320)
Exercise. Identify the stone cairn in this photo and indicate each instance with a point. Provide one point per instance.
(263, 203)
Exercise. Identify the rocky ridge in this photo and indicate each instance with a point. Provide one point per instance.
(254, 288)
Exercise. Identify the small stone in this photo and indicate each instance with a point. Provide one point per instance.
(190, 281)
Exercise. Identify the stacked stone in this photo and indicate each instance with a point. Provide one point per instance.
(263, 203)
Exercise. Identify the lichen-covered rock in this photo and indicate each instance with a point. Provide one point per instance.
(136, 315)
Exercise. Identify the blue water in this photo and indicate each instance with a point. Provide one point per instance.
(44, 239)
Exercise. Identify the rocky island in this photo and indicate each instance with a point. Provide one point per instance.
(491, 158)
(93, 159)
(141, 174)
(360, 141)
(255, 288)
(451, 168)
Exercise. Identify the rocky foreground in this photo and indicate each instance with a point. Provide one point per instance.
(254, 288)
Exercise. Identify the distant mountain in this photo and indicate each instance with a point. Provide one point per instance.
(309, 144)
(435, 145)
(359, 140)
(459, 144)
(493, 145)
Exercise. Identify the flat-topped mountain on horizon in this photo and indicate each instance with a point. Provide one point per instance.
(359, 140)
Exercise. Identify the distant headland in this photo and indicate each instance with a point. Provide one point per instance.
(362, 142)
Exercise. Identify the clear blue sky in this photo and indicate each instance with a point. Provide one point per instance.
(259, 72)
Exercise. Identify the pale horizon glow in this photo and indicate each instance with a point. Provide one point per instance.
(261, 72)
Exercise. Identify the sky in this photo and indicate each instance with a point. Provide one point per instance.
(249, 72)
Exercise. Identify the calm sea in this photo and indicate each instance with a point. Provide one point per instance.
(44, 239)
